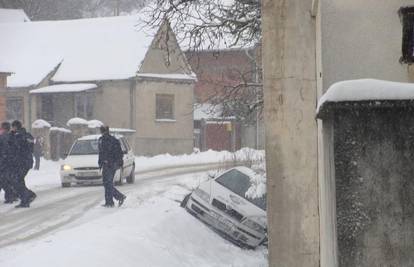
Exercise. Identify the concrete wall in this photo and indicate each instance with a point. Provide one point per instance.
(112, 103)
(374, 186)
(154, 137)
(291, 132)
(361, 39)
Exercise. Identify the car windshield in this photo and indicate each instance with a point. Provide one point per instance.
(85, 147)
(239, 183)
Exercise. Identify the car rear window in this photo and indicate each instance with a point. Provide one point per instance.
(239, 183)
(85, 147)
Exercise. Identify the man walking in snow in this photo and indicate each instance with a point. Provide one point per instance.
(37, 151)
(21, 161)
(5, 175)
(110, 160)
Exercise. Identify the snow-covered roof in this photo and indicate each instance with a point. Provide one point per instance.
(95, 137)
(95, 124)
(77, 121)
(64, 88)
(13, 15)
(59, 129)
(78, 50)
(367, 90)
(39, 124)
(171, 76)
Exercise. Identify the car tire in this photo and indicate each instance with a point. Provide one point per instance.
(185, 200)
(131, 178)
(66, 184)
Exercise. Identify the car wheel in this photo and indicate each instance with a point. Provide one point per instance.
(131, 177)
(66, 184)
(185, 200)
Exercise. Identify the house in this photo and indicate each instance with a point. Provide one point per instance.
(219, 70)
(109, 69)
(3, 85)
(13, 15)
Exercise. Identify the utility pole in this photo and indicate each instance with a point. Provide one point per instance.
(289, 68)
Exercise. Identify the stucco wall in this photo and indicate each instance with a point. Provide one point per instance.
(157, 136)
(112, 103)
(361, 39)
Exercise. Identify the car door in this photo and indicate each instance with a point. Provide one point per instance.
(128, 158)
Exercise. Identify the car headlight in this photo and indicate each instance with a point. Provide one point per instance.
(202, 194)
(66, 167)
(255, 226)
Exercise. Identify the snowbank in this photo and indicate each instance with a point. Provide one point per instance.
(13, 15)
(210, 156)
(77, 121)
(366, 90)
(39, 124)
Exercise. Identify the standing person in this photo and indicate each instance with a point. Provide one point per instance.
(110, 160)
(21, 161)
(37, 151)
(5, 174)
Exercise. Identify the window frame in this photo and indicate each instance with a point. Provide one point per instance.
(162, 117)
(407, 19)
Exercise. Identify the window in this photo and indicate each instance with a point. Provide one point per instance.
(407, 19)
(164, 107)
(84, 105)
(15, 108)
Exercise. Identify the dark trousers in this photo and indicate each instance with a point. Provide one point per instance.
(20, 186)
(111, 192)
(6, 182)
(37, 162)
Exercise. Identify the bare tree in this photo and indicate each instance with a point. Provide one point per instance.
(218, 25)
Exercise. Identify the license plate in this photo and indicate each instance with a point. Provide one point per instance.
(87, 174)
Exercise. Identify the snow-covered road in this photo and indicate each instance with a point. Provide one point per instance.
(67, 227)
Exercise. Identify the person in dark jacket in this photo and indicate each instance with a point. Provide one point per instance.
(5, 174)
(37, 151)
(110, 160)
(21, 161)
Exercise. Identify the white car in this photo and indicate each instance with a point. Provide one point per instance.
(222, 204)
(81, 165)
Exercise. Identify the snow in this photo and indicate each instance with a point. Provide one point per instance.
(206, 111)
(170, 76)
(95, 124)
(366, 90)
(166, 160)
(86, 49)
(13, 15)
(59, 129)
(149, 230)
(39, 124)
(65, 88)
(78, 121)
(121, 130)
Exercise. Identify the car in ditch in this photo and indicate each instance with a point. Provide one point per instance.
(81, 164)
(221, 202)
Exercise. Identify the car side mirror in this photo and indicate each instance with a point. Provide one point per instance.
(211, 175)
